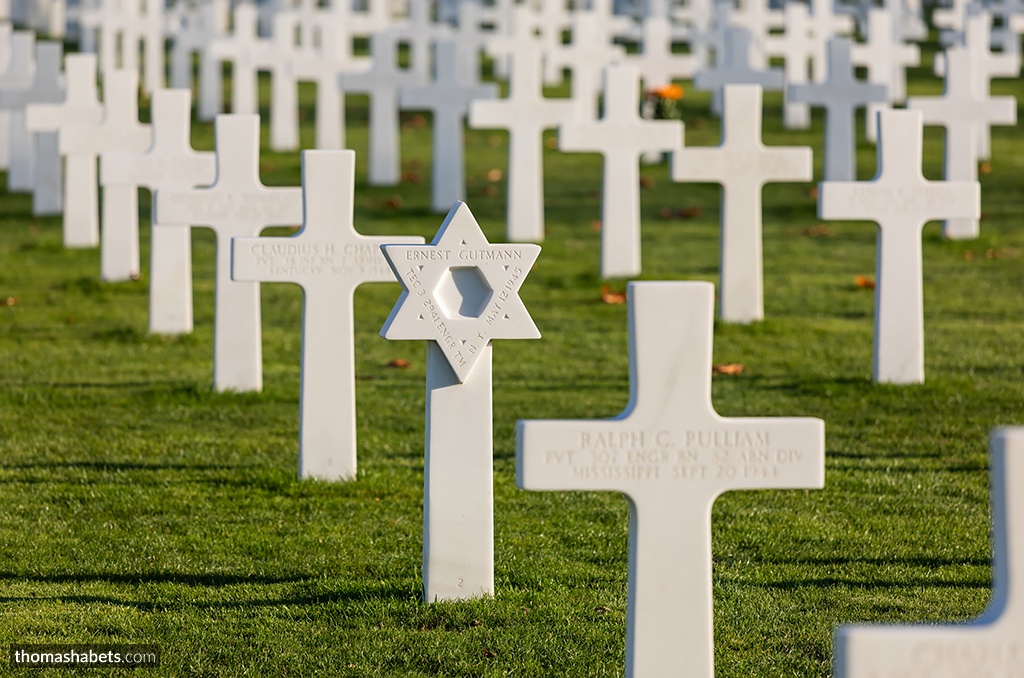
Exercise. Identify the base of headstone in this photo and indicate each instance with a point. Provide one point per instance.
(81, 211)
(21, 161)
(458, 485)
(170, 279)
(48, 192)
(119, 247)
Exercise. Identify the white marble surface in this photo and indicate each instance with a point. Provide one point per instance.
(525, 113)
(742, 165)
(170, 162)
(963, 110)
(841, 95)
(236, 205)
(328, 258)
(118, 131)
(448, 99)
(80, 108)
(900, 201)
(671, 454)
(459, 293)
(620, 136)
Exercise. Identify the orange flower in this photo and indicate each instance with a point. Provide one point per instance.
(669, 92)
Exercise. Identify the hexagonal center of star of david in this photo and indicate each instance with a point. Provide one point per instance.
(463, 292)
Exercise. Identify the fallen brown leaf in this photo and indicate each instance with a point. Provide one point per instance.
(813, 192)
(985, 168)
(968, 255)
(820, 229)
(690, 213)
(865, 283)
(494, 175)
(552, 143)
(646, 182)
(595, 225)
(727, 368)
(494, 140)
(394, 202)
(400, 363)
(991, 254)
(266, 166)
(411, 176)
(665, 212)
(490, 191)
(602, 608)
(609, 297)
(10, 301)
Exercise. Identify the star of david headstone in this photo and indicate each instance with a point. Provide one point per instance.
(460, 292)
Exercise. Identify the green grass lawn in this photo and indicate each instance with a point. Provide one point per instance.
(142, 507)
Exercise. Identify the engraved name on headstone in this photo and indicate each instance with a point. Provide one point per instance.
(329, 259)
(671, 454)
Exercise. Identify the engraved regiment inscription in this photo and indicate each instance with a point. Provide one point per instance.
(690, 455)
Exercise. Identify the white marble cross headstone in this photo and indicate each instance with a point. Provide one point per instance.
(460, 292)
(237, 204)
(588, 53)
(987, 646)
(382, 82)
(742, 165)
(840, 95)
(620, 136)
(525, 113)
(657, 63)
(962, 110)
(168, 163)
(80, 107)
(19, 76)
(734, 69)
(797, 47)
(985, 65)
(119, 130)
(900, 201)
(671, 454)
(47, 87)
(246, 51)
(825, 24)
(886, 60)
(329, 259)
(758, 18)
(201, 25)
(448, 100)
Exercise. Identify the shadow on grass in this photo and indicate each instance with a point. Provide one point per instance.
(357, 595)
